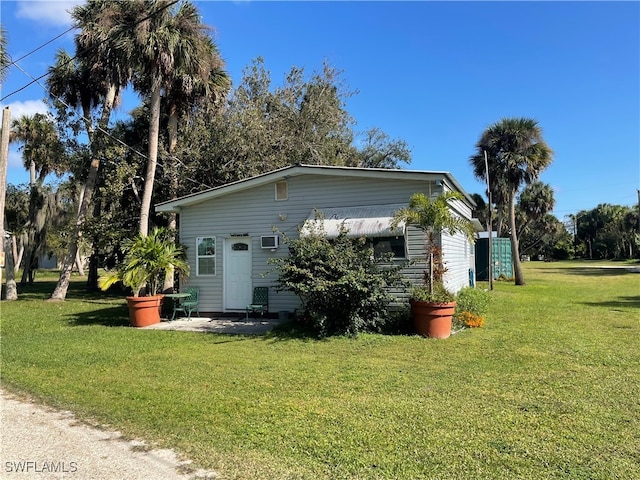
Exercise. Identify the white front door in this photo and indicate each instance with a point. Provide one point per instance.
(237, 273)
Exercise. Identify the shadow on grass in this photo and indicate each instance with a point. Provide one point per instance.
(116, 316)
(595, 271)
(294, 330)
(620, 302)
(42, 290)
(291, 330)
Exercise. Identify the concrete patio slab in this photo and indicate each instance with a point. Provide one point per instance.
(229, 325)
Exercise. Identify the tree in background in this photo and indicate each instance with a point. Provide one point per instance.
(93, 79)
(546, 237)
(302, 121)
(516, 153)
(534, 202)
(608, 232)
(380, 151)
(16, 219)
(164, 44)
(187, 90)
(42, 153)
(481, 211)
(265, 127)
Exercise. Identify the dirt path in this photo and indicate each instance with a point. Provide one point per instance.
(41, 443)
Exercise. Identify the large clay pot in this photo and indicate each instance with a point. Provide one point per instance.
(144, 311)
(432, 319)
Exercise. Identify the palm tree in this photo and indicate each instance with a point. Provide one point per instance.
(185, 92)
(70, 82)
(42, 153)
(95, 77)
(434, 216)
(189, 90)
(167, 45)
(516, 154)
(535, 201)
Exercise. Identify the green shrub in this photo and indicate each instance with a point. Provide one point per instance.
(471, 300)
(342, 285)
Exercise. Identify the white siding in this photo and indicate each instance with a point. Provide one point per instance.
(456, 258)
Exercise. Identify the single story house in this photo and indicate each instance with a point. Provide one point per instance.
(231, 231)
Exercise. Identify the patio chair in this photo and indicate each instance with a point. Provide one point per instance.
(260, 302)
(188, 304)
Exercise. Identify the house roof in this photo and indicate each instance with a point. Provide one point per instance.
(296, 170)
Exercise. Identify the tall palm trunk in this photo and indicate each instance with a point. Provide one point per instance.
(515, 248)
(154, 131)
(172, 171)
(60, 292)
(35, 199)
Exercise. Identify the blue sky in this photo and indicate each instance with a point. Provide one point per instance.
(434, 74)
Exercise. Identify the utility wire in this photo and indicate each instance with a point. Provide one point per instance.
(109, 134)
(81, 116)
(87, 49)
(13, 62)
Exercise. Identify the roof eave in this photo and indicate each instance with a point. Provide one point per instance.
(174, 206)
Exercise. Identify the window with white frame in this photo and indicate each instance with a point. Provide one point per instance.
(205, 256)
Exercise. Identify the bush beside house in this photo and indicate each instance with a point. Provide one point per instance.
(343, 286)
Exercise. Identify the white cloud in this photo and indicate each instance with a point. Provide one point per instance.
(52, 12)
(28, 107)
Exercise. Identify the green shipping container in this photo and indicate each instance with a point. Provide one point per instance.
(501, 254)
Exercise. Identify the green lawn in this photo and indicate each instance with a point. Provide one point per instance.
(549, 388)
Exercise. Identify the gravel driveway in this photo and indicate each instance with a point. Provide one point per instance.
(41, 443)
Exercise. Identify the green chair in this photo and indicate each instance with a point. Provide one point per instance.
(188, 304)
(260, 302)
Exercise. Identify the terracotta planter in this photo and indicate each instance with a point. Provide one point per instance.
(144, 311)
(432, 319)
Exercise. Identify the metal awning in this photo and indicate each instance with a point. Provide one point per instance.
(364, 221)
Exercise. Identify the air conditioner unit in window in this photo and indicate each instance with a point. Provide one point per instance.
(269, 241)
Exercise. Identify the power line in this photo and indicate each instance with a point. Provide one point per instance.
(107, 133)
(81, 116)
(87, 49)
(13, 62)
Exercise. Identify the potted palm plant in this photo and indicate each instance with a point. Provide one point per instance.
(432, 305)
(146, 263)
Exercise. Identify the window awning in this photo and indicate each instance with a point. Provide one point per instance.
(364, 221)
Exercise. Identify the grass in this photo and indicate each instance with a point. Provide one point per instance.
(548, 389)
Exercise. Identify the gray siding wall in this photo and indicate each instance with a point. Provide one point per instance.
(256, 212)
